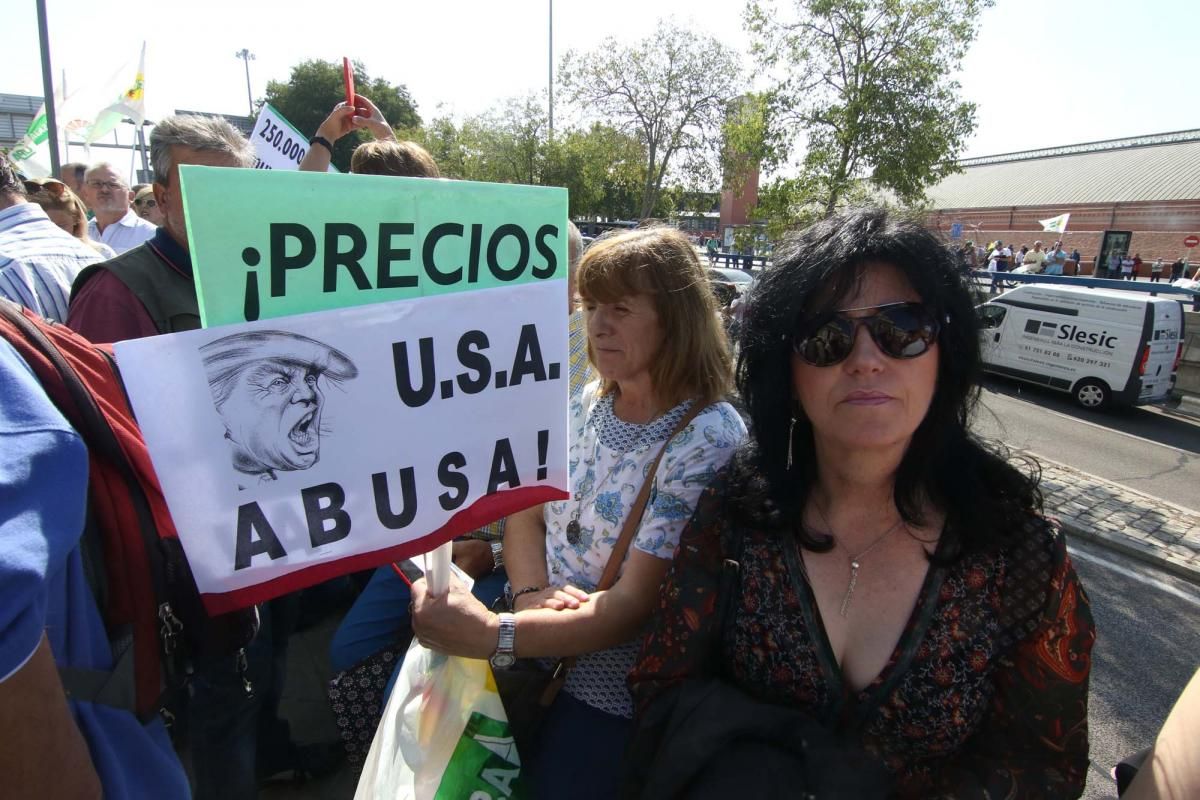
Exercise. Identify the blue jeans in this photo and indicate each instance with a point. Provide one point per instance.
(233, 734)
(580, 752)
(379, 618)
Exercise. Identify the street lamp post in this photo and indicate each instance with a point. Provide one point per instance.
(550, 82)
(246, 56)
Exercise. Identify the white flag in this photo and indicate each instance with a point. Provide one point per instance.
(130, 103)
(1056, 224)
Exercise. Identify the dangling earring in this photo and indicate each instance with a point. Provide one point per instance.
(791, 430)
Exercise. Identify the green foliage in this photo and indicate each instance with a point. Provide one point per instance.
(670, 91)
(602, 168)
(315, 87)
(866, 84)
(748, 140)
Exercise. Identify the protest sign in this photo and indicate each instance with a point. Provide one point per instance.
(294, 450)
(277, 143)
(266, 245)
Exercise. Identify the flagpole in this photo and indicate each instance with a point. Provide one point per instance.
(48, 87)
(132, 156)
(142, 147)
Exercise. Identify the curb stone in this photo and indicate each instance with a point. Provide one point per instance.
(1147, 529)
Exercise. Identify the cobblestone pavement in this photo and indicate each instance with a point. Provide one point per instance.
(1131, 523)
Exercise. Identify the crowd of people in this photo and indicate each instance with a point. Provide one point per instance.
(998, 258)
(813, 539)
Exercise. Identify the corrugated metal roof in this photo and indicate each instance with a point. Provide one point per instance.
(20, 103)
(1168, 171)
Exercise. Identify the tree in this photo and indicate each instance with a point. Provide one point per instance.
(602, 168)
(669, 90)
(867, 83)
(315, 87)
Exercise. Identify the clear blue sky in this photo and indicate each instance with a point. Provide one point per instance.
(1043, 72)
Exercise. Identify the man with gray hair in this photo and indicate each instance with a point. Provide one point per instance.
(150, 289)
(115, 223)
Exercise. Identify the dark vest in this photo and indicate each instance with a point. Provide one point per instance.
(168, 295)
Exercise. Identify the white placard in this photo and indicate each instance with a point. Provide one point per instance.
(277, 143)
(297, 449)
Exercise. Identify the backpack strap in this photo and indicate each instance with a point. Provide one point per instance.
(115, 687)
(85, 416)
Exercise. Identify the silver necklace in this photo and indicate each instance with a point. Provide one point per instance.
(855, 560)
(574, 531)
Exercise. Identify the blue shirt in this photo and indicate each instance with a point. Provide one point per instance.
(43, 589)
(39, 260)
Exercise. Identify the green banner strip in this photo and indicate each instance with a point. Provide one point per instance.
(484, 764)
(271, 243)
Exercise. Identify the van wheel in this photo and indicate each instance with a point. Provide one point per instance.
(1092, 394)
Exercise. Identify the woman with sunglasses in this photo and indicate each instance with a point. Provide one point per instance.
(65, 209)
(146, 207)
(865, 559)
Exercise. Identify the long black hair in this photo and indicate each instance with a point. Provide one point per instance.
(985, 497)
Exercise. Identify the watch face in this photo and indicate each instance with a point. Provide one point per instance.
(503, 660)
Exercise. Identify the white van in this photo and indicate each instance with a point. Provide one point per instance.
(1101, 345)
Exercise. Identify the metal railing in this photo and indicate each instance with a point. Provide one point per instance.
(984, 278)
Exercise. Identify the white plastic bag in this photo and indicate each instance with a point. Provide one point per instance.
(444, 734)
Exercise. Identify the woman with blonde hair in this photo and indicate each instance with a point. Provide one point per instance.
(65, 209)
(644, 441)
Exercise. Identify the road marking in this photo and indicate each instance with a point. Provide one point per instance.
(1134, 574)
(1096, 425)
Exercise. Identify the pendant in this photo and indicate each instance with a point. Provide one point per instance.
(850, 588)
(573, 532)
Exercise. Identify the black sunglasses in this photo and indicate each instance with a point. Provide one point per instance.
(899, 330)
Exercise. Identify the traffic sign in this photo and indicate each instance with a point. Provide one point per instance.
(1191, 241)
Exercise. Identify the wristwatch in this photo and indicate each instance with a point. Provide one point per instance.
(504, 657)
(497, 553)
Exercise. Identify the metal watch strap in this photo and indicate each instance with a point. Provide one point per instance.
(506, 639)
(497, 546)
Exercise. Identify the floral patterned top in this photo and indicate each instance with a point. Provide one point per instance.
(984, 696)
(608, 460)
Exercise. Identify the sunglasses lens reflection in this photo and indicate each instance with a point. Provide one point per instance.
(905, 330)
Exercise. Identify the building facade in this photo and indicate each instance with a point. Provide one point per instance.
(1139, 196)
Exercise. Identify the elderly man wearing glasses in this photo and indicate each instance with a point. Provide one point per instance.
(38, 260)
(115, 223)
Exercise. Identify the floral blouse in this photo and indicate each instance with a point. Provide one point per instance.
(984, 696)
(608, 461)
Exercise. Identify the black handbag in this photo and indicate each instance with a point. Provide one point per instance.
(526, 688)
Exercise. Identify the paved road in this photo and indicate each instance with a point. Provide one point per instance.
(1142, 448)
(1147, 647)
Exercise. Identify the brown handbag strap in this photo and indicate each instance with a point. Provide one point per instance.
(558, 675)
(609, 577)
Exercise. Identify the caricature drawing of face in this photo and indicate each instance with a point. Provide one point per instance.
(273, 417)
(268, 389)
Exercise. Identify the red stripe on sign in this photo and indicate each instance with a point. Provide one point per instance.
(486, 509)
